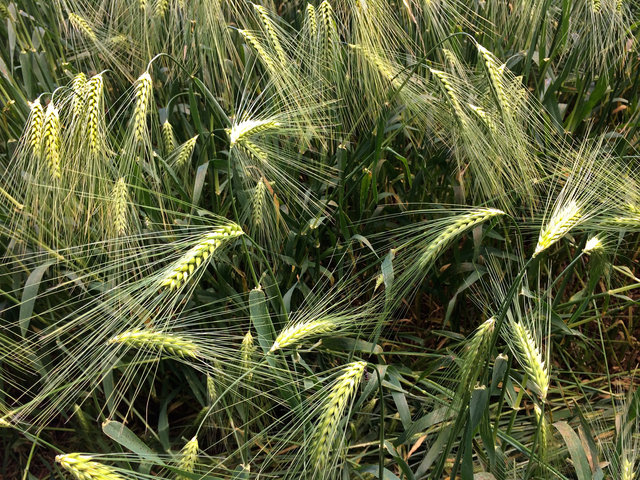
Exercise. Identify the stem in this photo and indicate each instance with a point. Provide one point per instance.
(235, 213)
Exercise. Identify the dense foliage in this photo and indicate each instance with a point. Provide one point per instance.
(327, 240)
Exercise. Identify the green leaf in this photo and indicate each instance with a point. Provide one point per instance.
(261, 319)
(373, 469)
(576, 450)
(29, 294)
(119, 433)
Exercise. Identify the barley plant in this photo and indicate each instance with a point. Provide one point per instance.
(319, 239)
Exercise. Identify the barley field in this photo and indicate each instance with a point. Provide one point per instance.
(323, 240)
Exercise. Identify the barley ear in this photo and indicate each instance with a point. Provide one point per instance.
(94, 91)
(78, 87)
(188, 458)
(247, 349)
(267, 22)
(312, 20)
(242, 132)
(82, 26)
(475, 352)
(161, 8)
(460, 225)
(452, 96)
(184, 268)
(257, 203)
(296, 333)
(119, 207)
(35, 126)
(323, 443)
(531, 359)
(558, 226)
(143, 97)
(186, 149)
(147, 338)
(83, 467)
(51, 141)
(168, 137)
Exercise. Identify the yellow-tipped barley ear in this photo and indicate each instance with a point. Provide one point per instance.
(168, 137)
(82, 25)
(300, 331)
(245, 130)
(143, 95)
(188, 457)
(147, 338)
(311, 19)
(36, 126)
(178, 274)
(94, 91)
(78, 87)
(161, 8)
(463, 223)
(186, 149)
(558, 226)
(120, 201)
(531, 359)
(337, 401)
(83, 467)
(51, 141)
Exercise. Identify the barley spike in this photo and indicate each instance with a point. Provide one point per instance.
(147, 338)
(83, 467)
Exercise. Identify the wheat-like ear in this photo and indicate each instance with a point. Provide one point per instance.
(180, 272)
(451, 95)
(83, 467)
(51, 141)
(119, 210)
(259, 48)
(168, 137)
(161, 8)
(35, 126)
(339, 396)
(243, 131)
(531, 359)
(328, 19)
(78, 87)
(475, 352)
(186, 149)
(147, 338)
(563, 220)
(296, 333)
(312, 21)
(496, 80)
(212, 391)
(267, 22)
(463, 223)
(94, 90)
(143, 96)
(82, 25)
(485, 117)
(188, 458)
(627, 468)
(593, 245)
(247, 348)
